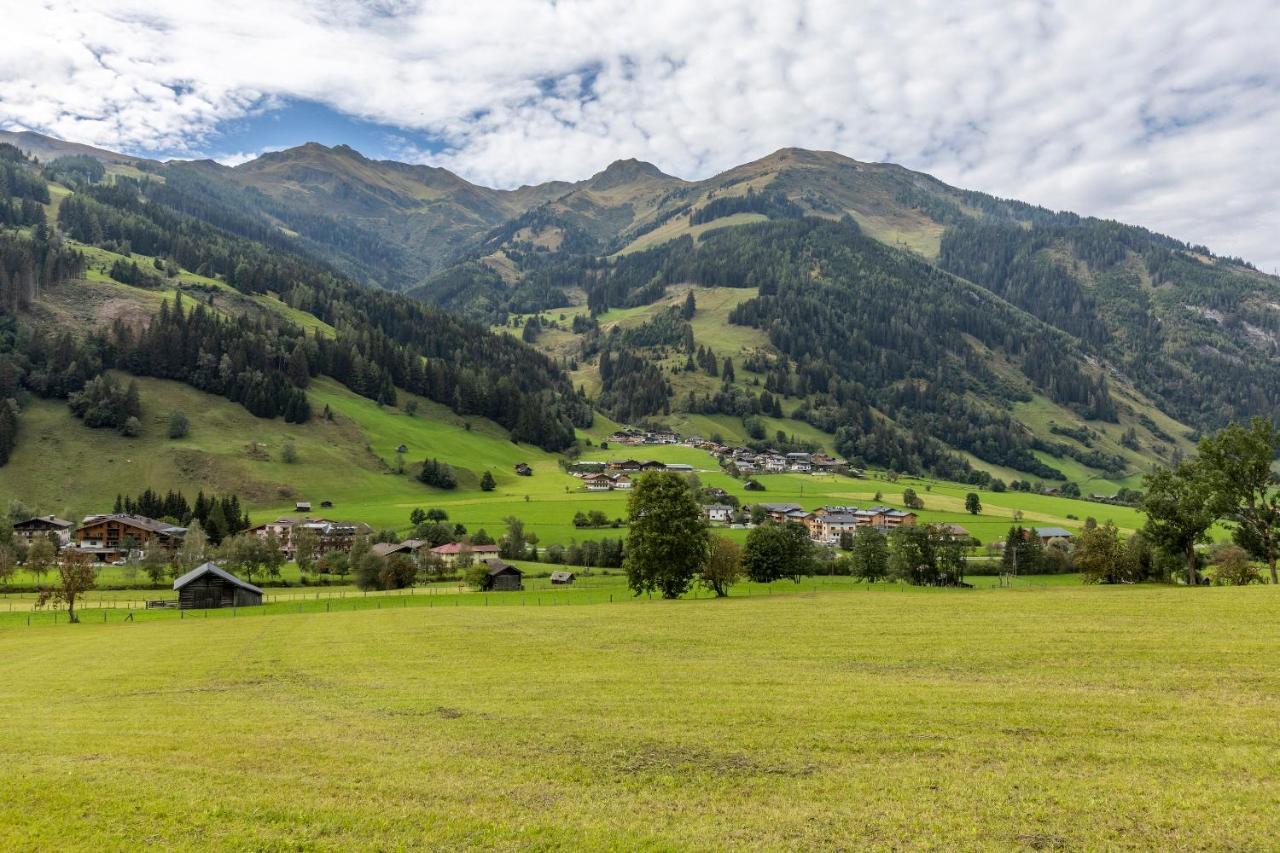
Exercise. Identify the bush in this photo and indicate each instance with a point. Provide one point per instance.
(179, 426)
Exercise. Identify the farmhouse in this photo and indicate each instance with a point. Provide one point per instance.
(207, 587)
(107, 536)
(563, 578)
(598, 482)
(409, 547)
(450, 552)
(720, 513)
(621, 481)
(43, 525)
(503, 577)
(624, 465)
(1049, 534)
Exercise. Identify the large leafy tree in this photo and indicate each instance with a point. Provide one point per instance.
(724, 564)
(1237, 466)
(669, 540)
(777, 551)
(869, 556)
(1180, 510)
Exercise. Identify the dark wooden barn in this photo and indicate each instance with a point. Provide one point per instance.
(207, 587)
(563, 578)
(504, 577)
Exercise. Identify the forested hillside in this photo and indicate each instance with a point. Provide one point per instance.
(876, 311)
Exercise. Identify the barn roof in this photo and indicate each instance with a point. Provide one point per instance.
(497, 567)
(210, 568)
(47, 519)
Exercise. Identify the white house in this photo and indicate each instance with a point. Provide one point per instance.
(718, 513)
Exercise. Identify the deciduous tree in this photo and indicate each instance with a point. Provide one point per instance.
(723, 567)
(1180, 509)
(76, 575)
(668, 541)
(1237, 466)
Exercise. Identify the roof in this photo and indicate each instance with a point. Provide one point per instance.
(720, 507)
(780, 507)
(497, 567)
(459, 547)
(840, 518)
(210, 568)
(1053, 532)
(562, 576)
(46, 519)
(139, 521)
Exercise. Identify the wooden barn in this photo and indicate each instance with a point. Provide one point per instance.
(563, 578)
(207, 587)
(504, 577)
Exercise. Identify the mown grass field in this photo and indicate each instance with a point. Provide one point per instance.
(1075, 718)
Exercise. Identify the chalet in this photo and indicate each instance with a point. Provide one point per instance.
(523, 469)
(829, 526)
(598, 482)
(621, 481)
(563, 578)
(302, 506)
(282, 528)
(680, 468)
(774, 464)
(332, 535)
(503, 577)
(626, 436)
(409, 548)
(661, 438)
(42, 526)
(624, 465)
(115, 535)
(954, 532)
(781, 512)
(653, 465)
(207, 587)
(449, 553)
(799, 462)
(719, 513)
(898, 518)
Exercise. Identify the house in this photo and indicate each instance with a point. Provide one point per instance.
(829, 526)
(1049, 534)
(331, 535)
(523, 469)
(954, 531)
(799, 462)
(562, 578)
(779, 512)
(718, 513)
(115, 535)
(503, 577)
(680, 468)
(302, 506)
(42, 526)
(450, 552)
(898, 518)
(409, 548)
(775, 464)
(624, 465)
(621, 481)
(283, 530)
(207, 587)
(653, 465)
(598, 482)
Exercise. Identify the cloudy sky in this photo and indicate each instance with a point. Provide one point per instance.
(1165, 114)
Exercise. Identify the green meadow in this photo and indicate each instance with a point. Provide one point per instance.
(1040, 718)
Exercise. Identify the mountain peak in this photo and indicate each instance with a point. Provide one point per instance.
(628, 171)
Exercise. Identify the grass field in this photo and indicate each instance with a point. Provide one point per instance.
(1067, 718)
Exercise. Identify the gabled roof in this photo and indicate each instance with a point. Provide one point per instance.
(497, 567)
(780, 507)
(1053, 532)
(210, 568)
(47, 519)
(458, 547)
(139, 521)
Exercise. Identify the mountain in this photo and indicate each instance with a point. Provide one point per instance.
(861, 307)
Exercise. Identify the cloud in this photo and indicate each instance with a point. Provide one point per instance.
(1162, 114)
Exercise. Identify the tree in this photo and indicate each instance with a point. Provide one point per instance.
(8, 564)
(418, 516)
(1023, 552)
(244, 554)
(272, 555)
(194, 546)
(40, 557)
(477, 576)
(155, 564)
(723, 567)
(179, 426)
(513, 545)
(869, 555)
(689, 308)
(777, 551)
(487, 483)
(288, 453)
(973, 504)
(911, 500)
(132, 427)
(1102, 557)
(1231, 566)
(367, 568)
(669, 540)
(912, 557)
(1180, 510)
(1237, 465)
(76, 575)
(305, 544)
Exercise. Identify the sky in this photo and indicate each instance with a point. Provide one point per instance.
(1164, 114)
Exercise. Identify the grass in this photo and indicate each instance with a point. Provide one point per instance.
(1064, 718)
